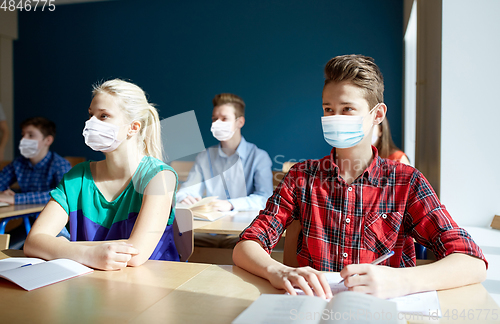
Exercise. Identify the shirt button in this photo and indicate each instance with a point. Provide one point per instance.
(350, 188)
(344, 255)
(384, 216)
(347, 220)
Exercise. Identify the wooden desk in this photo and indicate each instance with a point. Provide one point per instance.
(8, 213)
(233, 225)
(17, 210)
(176, 292)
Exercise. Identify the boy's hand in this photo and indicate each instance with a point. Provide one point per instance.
(376, 280)
(189, 200)
(9, 192)
(221, 205)
(110, 256)
(311, 281)
(7, 197)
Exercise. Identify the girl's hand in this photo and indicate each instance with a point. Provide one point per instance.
(110, 256)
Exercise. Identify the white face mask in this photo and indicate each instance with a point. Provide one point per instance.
(101, 136)
(28, 148)
(343, 131)
(222, 131)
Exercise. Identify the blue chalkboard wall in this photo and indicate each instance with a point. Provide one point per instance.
(182, 53)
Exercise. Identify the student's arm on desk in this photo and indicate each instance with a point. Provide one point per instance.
(110, 255)
(43, 243)
(454, 270)
(250, 256)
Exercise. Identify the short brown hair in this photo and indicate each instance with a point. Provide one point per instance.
(359, 70)
(45, 126)
(229, 98)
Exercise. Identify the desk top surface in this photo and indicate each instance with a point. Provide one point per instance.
(16, 210)
(176, 292)
(231, 224)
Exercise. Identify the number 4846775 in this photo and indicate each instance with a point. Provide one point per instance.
(28, 5)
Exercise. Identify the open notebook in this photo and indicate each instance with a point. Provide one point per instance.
(425, 303)
(33, 273)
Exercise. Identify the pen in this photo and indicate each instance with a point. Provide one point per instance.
(377, 261)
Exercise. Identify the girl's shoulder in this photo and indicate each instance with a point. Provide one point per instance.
(147, 170)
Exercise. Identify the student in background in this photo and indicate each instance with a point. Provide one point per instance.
(236, 171)
(4, 133)
(120, 209)
(382, 140)
(354, 207)
(38, 170)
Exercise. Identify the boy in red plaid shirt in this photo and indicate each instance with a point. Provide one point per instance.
(354, 207)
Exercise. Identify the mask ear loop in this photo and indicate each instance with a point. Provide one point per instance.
(376, 106)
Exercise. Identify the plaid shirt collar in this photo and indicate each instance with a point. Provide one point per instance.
(372, 173)
(40, 164)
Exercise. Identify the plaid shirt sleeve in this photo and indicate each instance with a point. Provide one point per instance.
(58, 167)
(432, 226)
(280, 211)
(42, 197)
(7, 176)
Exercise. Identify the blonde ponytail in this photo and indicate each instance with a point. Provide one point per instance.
(136, 107)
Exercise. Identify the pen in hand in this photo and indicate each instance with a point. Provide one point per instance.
(377, 261)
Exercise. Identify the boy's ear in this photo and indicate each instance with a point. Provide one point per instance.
(135, 127)
(240, 122)
(380, 113)
(49, 139)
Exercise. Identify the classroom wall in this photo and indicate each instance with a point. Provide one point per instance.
(470, 151)
(8, 32)
(271, 53)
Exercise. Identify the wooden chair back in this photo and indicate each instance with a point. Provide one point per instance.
(74, 160)
(277, 177)
(287, 166)
(4, 241)
(183, 233)
(290, 247)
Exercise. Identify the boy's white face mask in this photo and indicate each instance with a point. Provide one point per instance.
(28, 148)
(222, 131)
(101, 136)
(342, 131)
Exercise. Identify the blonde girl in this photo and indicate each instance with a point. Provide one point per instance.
(119, 209)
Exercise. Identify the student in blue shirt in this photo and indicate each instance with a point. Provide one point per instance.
(236, 171)
(38, 170)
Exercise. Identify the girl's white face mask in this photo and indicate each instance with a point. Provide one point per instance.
(222, 131)
(28, 148)
(101, 136)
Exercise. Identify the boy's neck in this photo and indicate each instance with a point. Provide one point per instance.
(353, 161)
(230, 146)
(40, 156)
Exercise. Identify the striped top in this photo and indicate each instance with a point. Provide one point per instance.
(93, 218)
